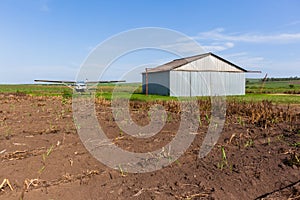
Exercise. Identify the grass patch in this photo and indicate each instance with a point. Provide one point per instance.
(285, 99)
(283, 85)
(105, 91)
(35, 89)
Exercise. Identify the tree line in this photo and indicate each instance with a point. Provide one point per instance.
(282, 79)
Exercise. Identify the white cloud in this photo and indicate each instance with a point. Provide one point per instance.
(214, 47)
(233, 55)
(220, 35)
(243, 59)
(293, 23)
(185, 47)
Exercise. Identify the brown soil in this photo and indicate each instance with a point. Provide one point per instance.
(42, 156)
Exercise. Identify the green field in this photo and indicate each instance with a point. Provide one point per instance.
(35, 90)
(278, 91)
(278, 86)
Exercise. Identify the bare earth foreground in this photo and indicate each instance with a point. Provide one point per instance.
(42, 156)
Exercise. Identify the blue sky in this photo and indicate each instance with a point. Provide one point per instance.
(50, 39)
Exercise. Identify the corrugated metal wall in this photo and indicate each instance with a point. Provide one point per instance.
(158, 83)
(185, 83)
(200, 84)
(179, 83)
(234, 83)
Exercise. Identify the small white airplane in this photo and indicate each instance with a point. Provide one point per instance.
(79, 86)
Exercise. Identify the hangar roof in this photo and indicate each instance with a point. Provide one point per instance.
(204, 62)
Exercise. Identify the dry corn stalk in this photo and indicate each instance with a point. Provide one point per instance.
(33, 182)
(6, 183)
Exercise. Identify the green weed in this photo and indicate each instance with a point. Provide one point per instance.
(44, 158)
(121, 170)
(240, 121)
(296, 144)
(224, 162)
(199, 120)
(207, 118)
(249, 143)
(169, 118)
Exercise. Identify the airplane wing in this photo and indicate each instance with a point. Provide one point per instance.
(95, 82)
(54, 81)
(73, 82)
(79, 86)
